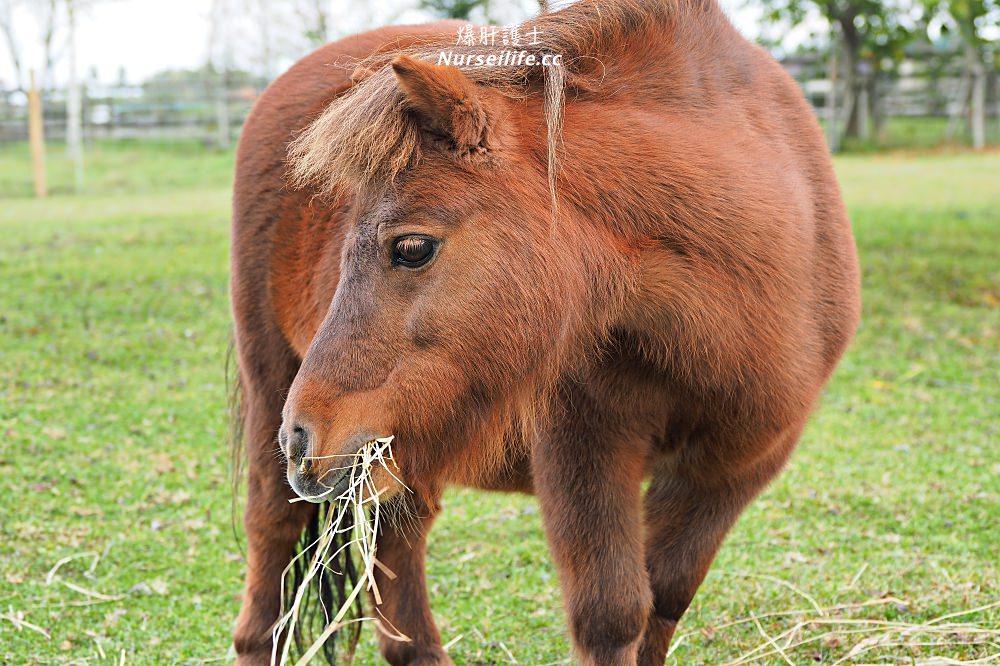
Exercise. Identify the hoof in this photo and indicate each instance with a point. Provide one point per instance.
(441, 660)
(435, 657)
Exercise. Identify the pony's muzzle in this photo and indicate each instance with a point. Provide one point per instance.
(314, 477)
(297, 443)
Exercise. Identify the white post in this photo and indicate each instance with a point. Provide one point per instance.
(977, 106)
(832, 134)
(864, 122)
(222, 109)
(74, 115)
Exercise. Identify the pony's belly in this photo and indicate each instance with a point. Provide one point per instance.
(513, 477)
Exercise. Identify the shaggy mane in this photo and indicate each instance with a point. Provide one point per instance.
(367, 138)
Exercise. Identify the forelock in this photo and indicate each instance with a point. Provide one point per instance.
(366, 137)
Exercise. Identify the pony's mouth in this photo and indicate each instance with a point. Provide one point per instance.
(317, 491)
(369, 467)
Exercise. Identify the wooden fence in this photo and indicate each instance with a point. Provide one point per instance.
(201, 112)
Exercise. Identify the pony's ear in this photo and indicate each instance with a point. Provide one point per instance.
(448, 104)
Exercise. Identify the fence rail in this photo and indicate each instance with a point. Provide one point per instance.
(201, 112)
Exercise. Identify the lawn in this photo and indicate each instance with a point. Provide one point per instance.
(921, 133)
(115, 522)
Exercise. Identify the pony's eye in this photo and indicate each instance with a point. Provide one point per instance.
(413, 251)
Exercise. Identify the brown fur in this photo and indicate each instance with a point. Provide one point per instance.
(671, 315)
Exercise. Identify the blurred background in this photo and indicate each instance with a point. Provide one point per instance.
(893, 74)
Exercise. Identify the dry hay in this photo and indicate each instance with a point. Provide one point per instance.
(349, 530)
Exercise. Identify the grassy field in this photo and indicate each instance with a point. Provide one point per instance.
(115, 528)
(921, 133)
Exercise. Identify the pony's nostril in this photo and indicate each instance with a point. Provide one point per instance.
(298, 446)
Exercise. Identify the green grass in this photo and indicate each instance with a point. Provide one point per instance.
(118, 167)
(114, 326)
(921, 133)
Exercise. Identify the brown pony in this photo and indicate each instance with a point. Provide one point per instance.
(633, 264)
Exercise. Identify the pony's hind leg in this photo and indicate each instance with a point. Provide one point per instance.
(687, 517)
(273, 525)
(407, 633)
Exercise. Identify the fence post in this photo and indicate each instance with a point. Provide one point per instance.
(977, 102)
(74, 111)
(832, 131)
(36, 135)
(223, 132)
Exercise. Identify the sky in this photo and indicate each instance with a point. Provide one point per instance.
(147, 36)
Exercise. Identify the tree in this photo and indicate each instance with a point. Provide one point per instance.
(456, 9)
(971, 20)
(13, 48)
(220, 62)
(46, 16)
(315, 15)
(509, 12)
(55, 19)
(871, 36)
(74, 101)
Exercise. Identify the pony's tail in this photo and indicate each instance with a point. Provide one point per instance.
(237, 457)
(328, 590)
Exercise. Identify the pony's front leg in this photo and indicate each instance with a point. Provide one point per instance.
(587, 475)
(273, 528)
(407, 633)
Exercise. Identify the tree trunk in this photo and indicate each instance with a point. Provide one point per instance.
(993, 87)
(13, 50)
(977, 96)
(862, 110)
(74, 114)
(960, 106)
(876, 109)
(832, 130)
(322, 23)
(850, 100)
(264, 24)
(223, 136)
(48, 56)
(853, 83)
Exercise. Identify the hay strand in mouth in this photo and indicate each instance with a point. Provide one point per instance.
(348, 533)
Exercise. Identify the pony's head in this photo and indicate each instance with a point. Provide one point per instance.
(464, 292)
